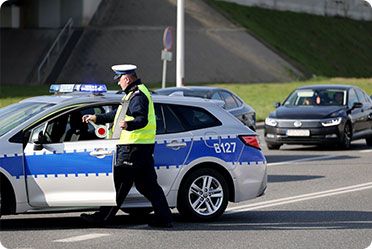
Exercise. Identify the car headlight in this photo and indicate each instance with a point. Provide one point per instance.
(331, 122)
(271, 122)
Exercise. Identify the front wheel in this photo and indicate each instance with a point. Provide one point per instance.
(203, 195)
(346, 137)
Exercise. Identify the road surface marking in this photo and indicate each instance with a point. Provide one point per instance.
(302, 160)
(365, 151)
(82, 237)
(298, 198)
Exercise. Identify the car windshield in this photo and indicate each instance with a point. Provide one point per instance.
(13, 115)
(317, 97)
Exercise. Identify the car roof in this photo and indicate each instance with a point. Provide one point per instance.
(74, 98)
(326, 86)
(185, 88)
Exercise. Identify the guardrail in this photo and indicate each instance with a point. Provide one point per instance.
(61, 40)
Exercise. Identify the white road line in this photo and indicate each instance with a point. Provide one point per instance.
(365, 151)
(302, 160)
(315, 195)
(82, 237)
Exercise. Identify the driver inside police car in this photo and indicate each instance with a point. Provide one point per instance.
(135, 127)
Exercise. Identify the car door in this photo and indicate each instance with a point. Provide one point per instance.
(67, 165)
(357, 114)
(172, 147)
(366, 111)
(173, 144)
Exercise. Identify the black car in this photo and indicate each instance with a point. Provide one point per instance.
(321, 114)
(233, 104)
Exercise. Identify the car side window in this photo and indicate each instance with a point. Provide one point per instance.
(363, 97)
(69, 127)
(352, 98)
(172, 123)
(229, 100)
(160, 126)
(216, 96)
(238, 101)
(194, 117)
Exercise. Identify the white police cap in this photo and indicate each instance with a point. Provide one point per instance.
(123, 69)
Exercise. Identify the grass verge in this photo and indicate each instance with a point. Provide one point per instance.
(260, 96)
(325, 46)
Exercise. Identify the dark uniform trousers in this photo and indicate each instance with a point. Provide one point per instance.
(135, 164)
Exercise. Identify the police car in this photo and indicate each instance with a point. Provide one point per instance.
(51, 161)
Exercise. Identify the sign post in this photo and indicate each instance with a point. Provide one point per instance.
(166, 55)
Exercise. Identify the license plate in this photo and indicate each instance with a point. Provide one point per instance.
(298, 133)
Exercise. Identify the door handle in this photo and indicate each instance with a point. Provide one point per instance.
(176, 145)
(100, 153)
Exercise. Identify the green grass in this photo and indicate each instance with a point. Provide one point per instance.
(260, 96)
(324, 46)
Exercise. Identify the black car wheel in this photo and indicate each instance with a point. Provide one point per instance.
(346, 139)
(203, 195)
(0, 200)
(369, 141)
(271, 146)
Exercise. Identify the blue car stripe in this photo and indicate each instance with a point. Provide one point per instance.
(244, 155)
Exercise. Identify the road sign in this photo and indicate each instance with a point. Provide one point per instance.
(168, 38)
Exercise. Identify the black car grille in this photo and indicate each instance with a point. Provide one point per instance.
(304, 123)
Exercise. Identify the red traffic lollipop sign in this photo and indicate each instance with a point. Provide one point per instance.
(99, 130)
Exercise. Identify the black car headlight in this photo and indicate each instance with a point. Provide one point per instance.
(271, 122)
(331, 122)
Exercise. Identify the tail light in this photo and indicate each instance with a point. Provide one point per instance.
(250, 141)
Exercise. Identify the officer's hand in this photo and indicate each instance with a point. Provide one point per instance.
(123, 125)
(86, 118)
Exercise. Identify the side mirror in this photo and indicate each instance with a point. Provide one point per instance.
(276, 104)
(38, 143)
(357, 105)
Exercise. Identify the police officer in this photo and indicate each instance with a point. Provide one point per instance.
(134, 155)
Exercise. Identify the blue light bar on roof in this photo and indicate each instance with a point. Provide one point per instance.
(68, 88)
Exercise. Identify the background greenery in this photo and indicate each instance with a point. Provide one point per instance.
(324, 46)
(260, 96)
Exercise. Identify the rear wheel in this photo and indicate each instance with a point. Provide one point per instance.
(369, 141)
(346, 139)
(203, 195)
(271, 146)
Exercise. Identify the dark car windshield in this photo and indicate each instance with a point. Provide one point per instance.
(13, 115)
(317, 97)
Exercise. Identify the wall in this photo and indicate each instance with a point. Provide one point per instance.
(354, 9)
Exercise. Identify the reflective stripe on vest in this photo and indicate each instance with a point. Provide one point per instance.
(145, 135)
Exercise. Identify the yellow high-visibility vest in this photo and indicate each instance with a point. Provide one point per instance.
(145, 135)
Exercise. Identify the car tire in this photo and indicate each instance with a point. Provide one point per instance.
(346, 137)
(0, 202)
(369, 141)
(197, 201)
(271, 146)
(142, 211)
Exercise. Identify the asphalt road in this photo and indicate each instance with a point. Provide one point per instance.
(316, 198)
